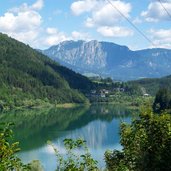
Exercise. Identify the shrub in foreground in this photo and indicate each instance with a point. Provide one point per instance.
(146, 144)
(74, 161)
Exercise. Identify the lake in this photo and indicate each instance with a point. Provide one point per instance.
(98, 125)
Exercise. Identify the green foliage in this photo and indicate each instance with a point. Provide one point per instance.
(115, 161)
(8, 159)
(74, 162)
(146, 144)
(152, 85)
(35, 165)
(28, 77)
(162, 100)
(132, 89)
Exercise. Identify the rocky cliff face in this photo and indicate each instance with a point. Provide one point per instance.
(80, 53)
(111, 60)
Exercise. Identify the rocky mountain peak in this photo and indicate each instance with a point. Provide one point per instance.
(108, 59)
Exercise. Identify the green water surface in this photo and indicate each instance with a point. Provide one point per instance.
(97, 124)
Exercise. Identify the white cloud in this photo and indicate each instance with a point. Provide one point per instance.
(89, 23)
(114, 31)
(76, 35)
(102, 16)
(80, 7)
(161, 0)
(22, 23)
(51, 36)
(161, 38)
(101, 13)
(137, 20)
(155, 12)
(38, 5)
(51, 30)
(106, 15)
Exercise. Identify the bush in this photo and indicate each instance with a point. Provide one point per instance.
(35, 165)
(146, 144)
(8, 159)
(162, 100)
(74, 162)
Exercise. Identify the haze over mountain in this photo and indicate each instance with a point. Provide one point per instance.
(111, 60)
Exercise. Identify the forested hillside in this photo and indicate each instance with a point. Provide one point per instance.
(27, 77)
(152, 85)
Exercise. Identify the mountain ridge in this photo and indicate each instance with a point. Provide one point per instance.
(108, 59)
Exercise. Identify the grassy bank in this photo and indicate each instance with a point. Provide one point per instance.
(132, 102)
(70, 105)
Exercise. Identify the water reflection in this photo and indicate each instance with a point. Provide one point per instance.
(97, 124)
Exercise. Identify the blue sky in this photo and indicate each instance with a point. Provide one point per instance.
(43, 23)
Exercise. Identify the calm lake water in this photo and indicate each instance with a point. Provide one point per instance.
(97, 124)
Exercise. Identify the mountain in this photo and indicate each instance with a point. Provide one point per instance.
(28, 77)
(111, 60)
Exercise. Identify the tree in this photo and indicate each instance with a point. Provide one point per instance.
(162, 100)
(146, 144)
(8, 159)
(1, 106)
(72, 161)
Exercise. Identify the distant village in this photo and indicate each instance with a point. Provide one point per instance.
(105, 92)
(109, 88)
